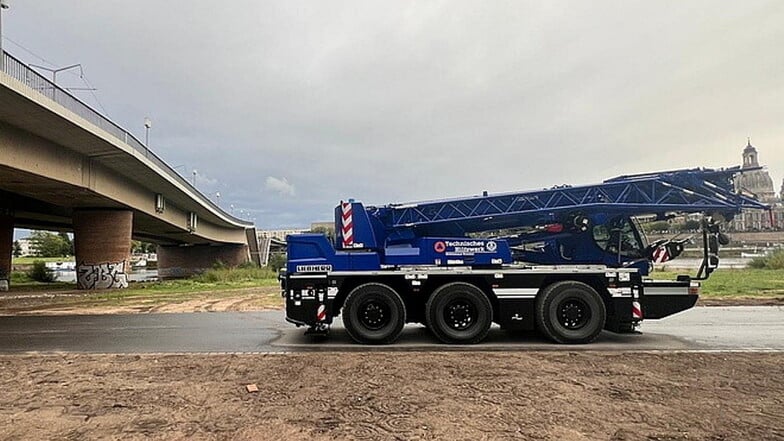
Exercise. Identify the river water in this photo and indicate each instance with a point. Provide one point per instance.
(680, 263)
(693, 263)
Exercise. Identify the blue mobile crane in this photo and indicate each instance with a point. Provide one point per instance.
(567, 261)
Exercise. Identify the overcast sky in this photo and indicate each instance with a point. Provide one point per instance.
(287, 107)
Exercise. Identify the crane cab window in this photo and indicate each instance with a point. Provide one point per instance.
(619, 233)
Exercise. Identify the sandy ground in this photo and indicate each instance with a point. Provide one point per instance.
(58, 302)
(394, 396)
(55, 302)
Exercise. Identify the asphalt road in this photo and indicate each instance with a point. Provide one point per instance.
(709, 328)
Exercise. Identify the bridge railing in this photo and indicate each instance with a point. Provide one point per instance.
(34, 80)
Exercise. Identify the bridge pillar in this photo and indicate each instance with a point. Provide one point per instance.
(183, 261)
(102, 244)
(6, 248)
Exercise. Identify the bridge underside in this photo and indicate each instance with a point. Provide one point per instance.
(103, 228)
(42, 203)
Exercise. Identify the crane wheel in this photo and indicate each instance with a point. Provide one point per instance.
(570, 312)
(374, 314)
(459, 313)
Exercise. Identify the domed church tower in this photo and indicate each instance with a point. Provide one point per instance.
(757, 182)
(750, 157)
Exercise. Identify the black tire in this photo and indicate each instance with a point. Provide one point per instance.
(374, 314)
(570, 312)
(459, 313)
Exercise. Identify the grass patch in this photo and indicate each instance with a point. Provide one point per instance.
(236, 275)
(21, 281)
(258, 285)
(727, 283)
(18, 278)
(143, 296)
(27, 285)
(30, 260)
(219, 279)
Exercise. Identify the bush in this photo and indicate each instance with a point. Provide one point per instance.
(276, 262)
(759, 262)
(40, 273)
(20, 277)
(773, 261)
(776, 260)
(239, 274)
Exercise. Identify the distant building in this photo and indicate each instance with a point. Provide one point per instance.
(759, 184)
(26, 245)
(278, 234)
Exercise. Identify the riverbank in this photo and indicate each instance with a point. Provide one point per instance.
(258, 289)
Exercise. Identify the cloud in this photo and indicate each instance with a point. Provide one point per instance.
(403, 101)
(280, 186)
(205, 181)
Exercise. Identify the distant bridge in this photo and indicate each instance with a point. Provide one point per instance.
(64, 166)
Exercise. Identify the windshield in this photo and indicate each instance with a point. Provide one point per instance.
(619, 233)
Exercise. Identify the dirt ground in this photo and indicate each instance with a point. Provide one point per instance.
(740, 301)
(395, 396)
(58, 302)
(55, 302)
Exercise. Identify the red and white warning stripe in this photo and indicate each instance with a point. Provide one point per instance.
(321, 314)
(348, 225)
(661, 255)
(636, 311)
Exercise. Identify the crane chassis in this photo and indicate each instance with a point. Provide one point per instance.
(568, 262)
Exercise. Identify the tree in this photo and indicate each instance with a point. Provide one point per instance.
(692, 225)
(46, 244)
(329, 232)
(142, 247)
(17, 250)
(276, 261)
(68, 248)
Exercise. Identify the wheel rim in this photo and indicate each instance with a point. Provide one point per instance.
(460, 315)
(374, 315)
(573, 313)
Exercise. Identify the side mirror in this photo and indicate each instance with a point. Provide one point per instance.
(713, 245)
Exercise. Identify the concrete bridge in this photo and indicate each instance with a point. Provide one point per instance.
(64, 166)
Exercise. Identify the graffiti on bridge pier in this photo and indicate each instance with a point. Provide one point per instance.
(102, 276)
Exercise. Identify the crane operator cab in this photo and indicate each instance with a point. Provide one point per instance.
(616, 241)
(621, 238)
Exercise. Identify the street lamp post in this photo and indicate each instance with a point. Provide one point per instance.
(217, 198)
(147, 125)
(4, 4)
(194, 178)
(54, 74)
